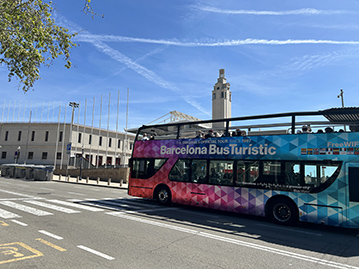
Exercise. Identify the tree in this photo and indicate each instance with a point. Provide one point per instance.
(29, 39)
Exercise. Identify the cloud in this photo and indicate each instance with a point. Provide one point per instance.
(225, 43)
(303, 11)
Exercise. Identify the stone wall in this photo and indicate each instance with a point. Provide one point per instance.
(116, 174)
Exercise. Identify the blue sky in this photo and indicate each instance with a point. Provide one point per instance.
(279, 56)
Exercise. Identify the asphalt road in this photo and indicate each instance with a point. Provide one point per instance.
(64, 225)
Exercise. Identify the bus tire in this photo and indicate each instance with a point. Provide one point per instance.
(282, 211)
(163, 195)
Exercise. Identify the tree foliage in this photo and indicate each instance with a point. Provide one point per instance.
(29, 39)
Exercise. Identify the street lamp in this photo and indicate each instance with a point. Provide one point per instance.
(73, 105)
(341, 95)
(81, 159)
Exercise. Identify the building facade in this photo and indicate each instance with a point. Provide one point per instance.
(49, 144)
(221, 100)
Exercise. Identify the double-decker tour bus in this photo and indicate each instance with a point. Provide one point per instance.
(304, 167)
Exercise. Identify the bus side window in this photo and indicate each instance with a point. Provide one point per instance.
(221, 172)
(292, 174)
(247, 172)
(199, 171)
(180, 171)
(146, 168)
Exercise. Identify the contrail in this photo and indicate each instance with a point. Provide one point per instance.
(148, 74)
(226, 43)
(303, 11)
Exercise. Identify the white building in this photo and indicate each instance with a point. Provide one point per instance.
(221, 100)
(47, 144)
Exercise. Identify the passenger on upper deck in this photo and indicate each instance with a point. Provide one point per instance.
(153, 136)
(238, 132)
(210, 134)
(145, 137)
(354, 128)
(329, 130)
(306, 129)
(200, 134)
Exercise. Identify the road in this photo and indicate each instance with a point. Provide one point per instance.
(64, 225)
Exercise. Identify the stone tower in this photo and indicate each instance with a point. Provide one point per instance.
(221, 100)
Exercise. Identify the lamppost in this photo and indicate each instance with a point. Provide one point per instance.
(81, 158)
(73, 105)
(341, 95)
(17, 153)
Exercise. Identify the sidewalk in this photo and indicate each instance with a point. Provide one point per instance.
(84, 181)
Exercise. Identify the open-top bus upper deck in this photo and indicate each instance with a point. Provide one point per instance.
(336, 119)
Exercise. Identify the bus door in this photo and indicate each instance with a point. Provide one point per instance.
(353, 195)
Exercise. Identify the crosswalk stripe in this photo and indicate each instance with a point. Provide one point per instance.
(137, 203)
(54, 207)
(110, 203)
(7, 215)
(25, 208)
(93, 209)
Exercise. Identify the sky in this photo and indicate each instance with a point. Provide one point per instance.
(278, 56)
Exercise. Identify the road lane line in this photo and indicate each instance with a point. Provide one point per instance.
(76, 193)
(7, 214)
(50, 244)
(54, 207)
(51, 235)
(19, 222)
(19, 194)
(96, 252)
(236, 242)
(25, 208)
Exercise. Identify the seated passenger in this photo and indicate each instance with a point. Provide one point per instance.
(329, 130)
(153, 135)
(320, 131)
(354, 128)
(306, 129)
(237, 132)
(210, 134)
(200, 134)
(145, 137)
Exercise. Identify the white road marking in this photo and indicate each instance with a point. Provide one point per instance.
(236, 242)
(19, 222)
(51, 235)
(76, 193)
(8, 215)
(54, 207)
(21, 199)
(19, 194)
(94, 209)
(96, 252)
(25, 208)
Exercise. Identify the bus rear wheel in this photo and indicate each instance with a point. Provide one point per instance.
(163, 195)
(282, 211)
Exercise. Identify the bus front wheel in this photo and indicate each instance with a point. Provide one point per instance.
(163, 195)
(282, 211)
